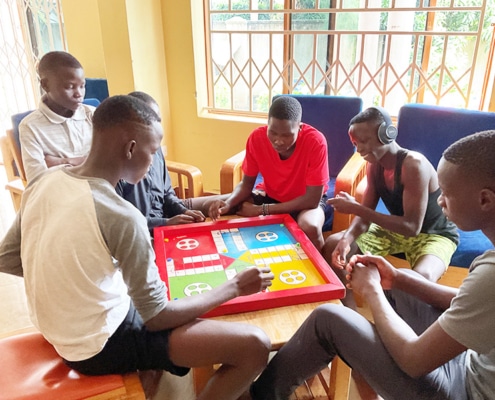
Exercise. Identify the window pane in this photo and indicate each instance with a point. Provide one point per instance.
(410, 53)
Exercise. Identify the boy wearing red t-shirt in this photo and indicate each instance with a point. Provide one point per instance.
(292, 159)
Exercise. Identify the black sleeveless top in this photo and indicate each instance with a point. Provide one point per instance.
(434, 221)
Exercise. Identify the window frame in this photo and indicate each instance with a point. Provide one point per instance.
(204, 65)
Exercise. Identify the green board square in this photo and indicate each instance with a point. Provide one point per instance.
(182, 286)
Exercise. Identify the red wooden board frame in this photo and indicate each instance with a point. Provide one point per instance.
(330, 290)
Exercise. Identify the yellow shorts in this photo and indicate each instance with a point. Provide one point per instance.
(381, 242)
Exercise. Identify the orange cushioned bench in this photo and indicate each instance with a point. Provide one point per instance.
(32, 370)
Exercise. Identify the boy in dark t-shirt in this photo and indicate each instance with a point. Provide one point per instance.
(154, 195)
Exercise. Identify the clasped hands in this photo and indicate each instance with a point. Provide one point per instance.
(365, 271)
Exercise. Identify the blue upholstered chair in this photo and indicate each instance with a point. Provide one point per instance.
(97, 88)
(92, 101)
(430, 130)
(331, 116)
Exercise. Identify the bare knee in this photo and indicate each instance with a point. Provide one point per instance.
(431, 275)
(256, 347)
(313, 232)
(431, 267)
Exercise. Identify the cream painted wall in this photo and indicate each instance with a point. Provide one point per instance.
(130, 51)
(84, 35)
(148, 59)
(116, 45)
(148, 45)
(204, 142)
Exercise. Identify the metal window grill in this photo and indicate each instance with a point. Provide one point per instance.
(28, 29)
(389, 52)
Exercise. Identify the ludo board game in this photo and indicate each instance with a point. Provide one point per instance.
(194, 258)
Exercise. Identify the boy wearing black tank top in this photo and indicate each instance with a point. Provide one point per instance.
(407, 183)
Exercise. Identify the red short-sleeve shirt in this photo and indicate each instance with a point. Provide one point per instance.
(285, 180)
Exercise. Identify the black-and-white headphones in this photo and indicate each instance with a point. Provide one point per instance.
(387, 131)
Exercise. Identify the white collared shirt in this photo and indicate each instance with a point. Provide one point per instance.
(43, 132)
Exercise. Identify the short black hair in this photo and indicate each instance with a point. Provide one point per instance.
(474, 154)
(286, 108)
(143, 96)
(53, 60)
(120, 109)
(371, 114)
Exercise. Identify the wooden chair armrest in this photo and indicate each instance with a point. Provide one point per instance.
(16, 154)
(348, 180)
(16, 185)
(187, 178)
(16, 189)
(231, 172)
(8, 159)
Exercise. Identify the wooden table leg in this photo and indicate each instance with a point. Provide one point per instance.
(340, 378)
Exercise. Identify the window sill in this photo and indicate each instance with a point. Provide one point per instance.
(235, 117)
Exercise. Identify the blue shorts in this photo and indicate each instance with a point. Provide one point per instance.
(131, 348)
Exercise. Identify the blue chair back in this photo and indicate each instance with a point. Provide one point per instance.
(92, 101)
(16, 120)
(431, 129)
(96, 88)
(331, 116)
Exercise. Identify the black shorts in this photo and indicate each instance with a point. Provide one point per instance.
(131, 348)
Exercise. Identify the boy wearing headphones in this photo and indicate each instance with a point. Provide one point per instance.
(407, 183)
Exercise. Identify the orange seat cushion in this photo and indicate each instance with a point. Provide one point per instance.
(31, 369)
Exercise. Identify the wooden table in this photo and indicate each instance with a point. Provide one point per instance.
(280, 324)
